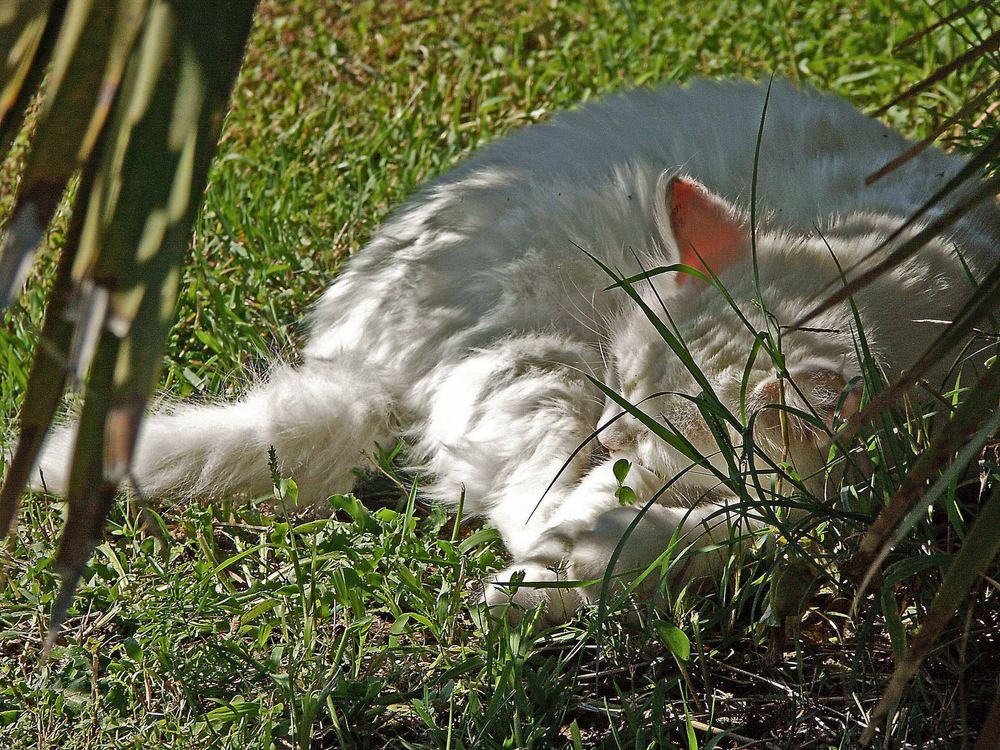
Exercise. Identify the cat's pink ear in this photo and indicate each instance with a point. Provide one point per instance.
(707, 230)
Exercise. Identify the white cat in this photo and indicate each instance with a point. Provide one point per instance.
(470, 323)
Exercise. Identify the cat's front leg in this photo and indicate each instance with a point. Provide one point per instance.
(543, 561)
(511, 426)
(526, 585)
(583, 543)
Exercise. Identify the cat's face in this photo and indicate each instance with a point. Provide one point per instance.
(822, 369)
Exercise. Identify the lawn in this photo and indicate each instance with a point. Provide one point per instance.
(244, 626)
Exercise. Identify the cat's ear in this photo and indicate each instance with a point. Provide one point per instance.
(707, 231)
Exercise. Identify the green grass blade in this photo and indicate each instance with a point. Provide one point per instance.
(980, 548)
(966, 423)
(676, 345)
(672, 438)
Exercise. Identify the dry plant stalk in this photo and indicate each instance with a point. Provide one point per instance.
(149, 80)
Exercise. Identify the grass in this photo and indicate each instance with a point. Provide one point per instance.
(257, 628)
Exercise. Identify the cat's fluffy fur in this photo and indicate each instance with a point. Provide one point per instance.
(469, 322)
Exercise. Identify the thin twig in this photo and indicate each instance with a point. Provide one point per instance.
(703, 727)
(918, 35)
(916, 148)
(988, 45)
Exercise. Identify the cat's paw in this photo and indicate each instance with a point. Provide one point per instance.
(514, 593)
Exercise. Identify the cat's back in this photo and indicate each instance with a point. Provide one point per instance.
(493, 245)
(815, 152)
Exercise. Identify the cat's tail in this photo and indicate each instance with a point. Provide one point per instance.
(320, 418)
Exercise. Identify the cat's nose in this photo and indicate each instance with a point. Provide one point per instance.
(615, 439)
(606, 442)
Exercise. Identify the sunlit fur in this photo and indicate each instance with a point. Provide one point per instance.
(470, 322)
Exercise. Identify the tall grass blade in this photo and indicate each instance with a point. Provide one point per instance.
(981, 545)
(966, 422)
(987, 46)
(677, 346)
(950, 18)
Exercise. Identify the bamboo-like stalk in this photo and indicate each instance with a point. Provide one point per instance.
(28, 30)
(151, 183)
(135, 95)
(89, 55)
